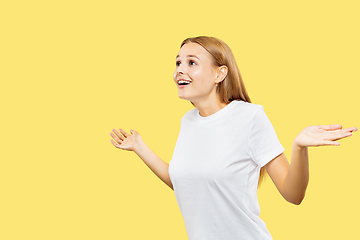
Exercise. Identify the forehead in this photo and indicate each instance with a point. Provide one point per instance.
(193, 49)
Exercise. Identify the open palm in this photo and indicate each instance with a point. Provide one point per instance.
(124, 140)
(322, 135)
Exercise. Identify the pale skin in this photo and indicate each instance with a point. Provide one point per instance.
(194, 63)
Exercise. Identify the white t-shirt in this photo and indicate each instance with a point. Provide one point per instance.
(215, 171)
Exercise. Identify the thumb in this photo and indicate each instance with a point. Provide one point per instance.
(133, 132)
(332, 127)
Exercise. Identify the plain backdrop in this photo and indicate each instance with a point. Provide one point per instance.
(71, 71)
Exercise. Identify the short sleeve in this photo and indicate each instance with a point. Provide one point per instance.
(264, 144)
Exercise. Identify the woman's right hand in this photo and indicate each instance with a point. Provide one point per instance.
(124, 140)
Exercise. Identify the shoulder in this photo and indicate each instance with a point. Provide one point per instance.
(189, 115)
(190, 112)
(247, 105)
(246, 108)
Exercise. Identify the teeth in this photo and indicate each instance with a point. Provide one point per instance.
(183, 81)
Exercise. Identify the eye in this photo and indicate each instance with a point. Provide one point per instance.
(191, 62)
(178, 63)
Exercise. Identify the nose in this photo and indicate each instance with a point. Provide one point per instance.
(180, 70)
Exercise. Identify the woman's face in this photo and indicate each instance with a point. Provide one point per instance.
(194, 66)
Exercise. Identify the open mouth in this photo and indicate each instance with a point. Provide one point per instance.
(183, 82)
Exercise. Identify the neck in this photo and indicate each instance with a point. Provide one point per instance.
(207, 108)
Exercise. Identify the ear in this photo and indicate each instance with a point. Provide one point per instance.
(221, 73)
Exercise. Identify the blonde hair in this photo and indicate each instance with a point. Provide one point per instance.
(232, 87)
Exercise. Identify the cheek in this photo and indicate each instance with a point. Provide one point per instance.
(196, 74)
(202, 76)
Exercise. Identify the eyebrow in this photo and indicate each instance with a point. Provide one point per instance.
(189, 56)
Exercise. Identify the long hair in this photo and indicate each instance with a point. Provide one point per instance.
(232, 87)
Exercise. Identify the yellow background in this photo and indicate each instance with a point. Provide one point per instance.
(72, 70)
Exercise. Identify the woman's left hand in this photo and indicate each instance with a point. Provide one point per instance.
(322, 135)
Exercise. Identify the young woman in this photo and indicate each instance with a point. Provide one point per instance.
(224, 146)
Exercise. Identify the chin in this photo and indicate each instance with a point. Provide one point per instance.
(184, 97)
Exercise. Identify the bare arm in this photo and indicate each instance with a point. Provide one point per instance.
(292, 179)
(134, 142)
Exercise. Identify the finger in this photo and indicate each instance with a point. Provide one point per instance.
(353, 129)
(340, 136)
(329, 143)
(350, 129)
(116, 145)
(331, 127)
(116, 138)
(118, 134)
(336, 134)
(124, 133)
